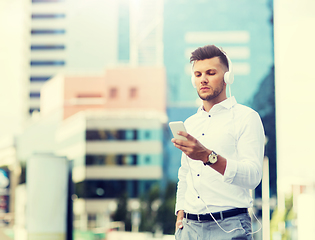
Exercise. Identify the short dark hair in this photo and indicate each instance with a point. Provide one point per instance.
(209, 51)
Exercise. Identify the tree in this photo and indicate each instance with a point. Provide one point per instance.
(122, 214)
(166, 213)
(148, 215)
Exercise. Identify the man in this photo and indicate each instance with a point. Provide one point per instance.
(222, 157)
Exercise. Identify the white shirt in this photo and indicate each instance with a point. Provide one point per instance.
(236, 133)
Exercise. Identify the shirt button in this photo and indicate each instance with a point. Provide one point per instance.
(198, 175)
(198, 196)
(203, 134)
(209, 115)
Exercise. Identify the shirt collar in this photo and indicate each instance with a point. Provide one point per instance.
(227, 103)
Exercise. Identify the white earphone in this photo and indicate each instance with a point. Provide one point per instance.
(228, 76)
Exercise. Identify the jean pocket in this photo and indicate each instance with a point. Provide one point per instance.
(246, 223)
(177, 233)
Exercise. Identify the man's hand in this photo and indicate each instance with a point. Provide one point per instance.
(179, 221)
(192, 147)
(195, 150)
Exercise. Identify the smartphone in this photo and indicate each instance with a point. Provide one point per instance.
(176, 127)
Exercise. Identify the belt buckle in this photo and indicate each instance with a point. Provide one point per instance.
(221, 216)
(198, 218)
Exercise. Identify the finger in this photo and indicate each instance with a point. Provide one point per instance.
(183, 142)
(188, 136)
(185, 149)
(179, 224)
(179, 142)
(184, 134)
(180, 147)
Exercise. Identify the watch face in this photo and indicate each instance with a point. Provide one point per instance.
(213, 157)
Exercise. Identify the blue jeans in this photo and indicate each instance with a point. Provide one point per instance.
(209, 230)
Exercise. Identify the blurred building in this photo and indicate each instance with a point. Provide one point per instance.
(111, 126)
(146, 32)
(79, 37)
(47, 45)
(119, 88)
(14, 65)
(73, 42)
(114, 152)
(9, 179)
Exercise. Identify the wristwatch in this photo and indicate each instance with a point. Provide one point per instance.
(212, 158)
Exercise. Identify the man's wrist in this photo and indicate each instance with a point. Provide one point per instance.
(180, 213)
(179, 220)
(206, 158)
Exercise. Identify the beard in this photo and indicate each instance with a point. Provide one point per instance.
(215, 92)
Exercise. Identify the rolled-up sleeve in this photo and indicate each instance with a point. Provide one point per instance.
(246, 170)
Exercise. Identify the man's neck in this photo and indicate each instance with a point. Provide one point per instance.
(207, 105)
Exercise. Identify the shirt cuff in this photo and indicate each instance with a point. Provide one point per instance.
(178, 207)
(230, 171)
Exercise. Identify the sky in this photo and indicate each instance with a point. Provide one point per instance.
(11, 27)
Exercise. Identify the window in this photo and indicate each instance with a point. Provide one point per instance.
(34, 94)
(147, 159)
(47, 63)
(108, 135)
(96, 135)
(89, 188)
(147, 134)
(112, 188)
(135, 134)
(31, 110)
(89, 95)
(91, 216)
(95, 159)
(131, 134)
(134, 159)
(133, 93)
(99, 160)
(39, 78)
(147, 186)
(121, 135)
(113, 93)
(41, 16)
(110, 160)
(120, 160)
(47, 47)
(135, 189)
(48, 31)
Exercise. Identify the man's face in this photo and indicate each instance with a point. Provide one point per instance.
(209, 74)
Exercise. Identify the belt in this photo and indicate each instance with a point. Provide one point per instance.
(217, 215)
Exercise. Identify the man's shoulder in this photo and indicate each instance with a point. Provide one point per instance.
(246, 115)
(243, 109)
